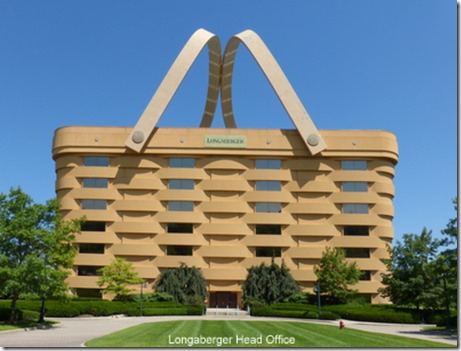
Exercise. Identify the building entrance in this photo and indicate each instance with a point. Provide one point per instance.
(223, 299)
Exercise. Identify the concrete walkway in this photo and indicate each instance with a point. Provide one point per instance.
(74, 332)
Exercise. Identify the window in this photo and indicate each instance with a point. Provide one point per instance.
(88, 270)
(179, 228)
(184, 206)
(268, 252)
(268, 207)
(354, 165)
(357, 252)
(179, 162)
(91, 248)
(355, 208)
(366, 275)
(185, 184)
(270, 229)
(95, 183)
(96, 161)
(356, 230)
(268, 164)
(179, 250)
(268, 185)
(92, 226)
(355, 186)
(90, 204)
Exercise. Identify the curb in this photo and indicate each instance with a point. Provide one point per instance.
(39, 327)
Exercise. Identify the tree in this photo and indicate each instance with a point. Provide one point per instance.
(268, 284)
(35, 248)
(335, 275)
(449, 256)
(446, 265)
(117, 277)
(185, 284)
(411, 277)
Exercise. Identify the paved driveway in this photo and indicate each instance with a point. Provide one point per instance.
(73, 332)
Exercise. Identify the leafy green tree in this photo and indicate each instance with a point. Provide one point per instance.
(35, 248)
(117, 277)
(268, 284)
(449, 257)
(185, 284)
(411, 277)
(446, 265)
(335, 275)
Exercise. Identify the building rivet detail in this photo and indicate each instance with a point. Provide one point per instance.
(138, 137)
(313, 139)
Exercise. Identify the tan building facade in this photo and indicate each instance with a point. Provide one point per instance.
(226, 209)
(224, 200)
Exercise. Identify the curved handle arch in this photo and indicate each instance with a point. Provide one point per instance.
(278, 81)
(171, 82)
(220, 75)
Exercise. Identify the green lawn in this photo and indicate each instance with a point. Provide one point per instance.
(206, 333)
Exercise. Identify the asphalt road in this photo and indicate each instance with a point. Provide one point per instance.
(74, 332)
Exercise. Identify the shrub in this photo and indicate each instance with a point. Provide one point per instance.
(5, 314)
(255, 302)
(196, 310)
(63, 310)
(30, 315)
(328, 315)
(311, 315)
(159, 297)
(452, 322)
(293, 310)
(96, 308)
(195, 300)
(289, 306)
(93, 307)
(373, 313)
(299, 298)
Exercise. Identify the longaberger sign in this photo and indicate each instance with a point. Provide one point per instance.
(225, 141)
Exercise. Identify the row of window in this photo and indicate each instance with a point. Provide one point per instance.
(184, 250)
(276, 229)
(186, 162)
(184, 184)
(260, 185)
(355, 252)
(178, 162)
(188, 206)
(181, 250)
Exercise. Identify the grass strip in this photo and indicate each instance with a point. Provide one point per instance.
(231, 333)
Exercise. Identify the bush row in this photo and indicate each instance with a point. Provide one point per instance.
(6, 312)
(104, 308)
(373, 313)
(293, 310)
(370, 313)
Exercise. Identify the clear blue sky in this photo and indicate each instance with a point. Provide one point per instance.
(355, 64)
